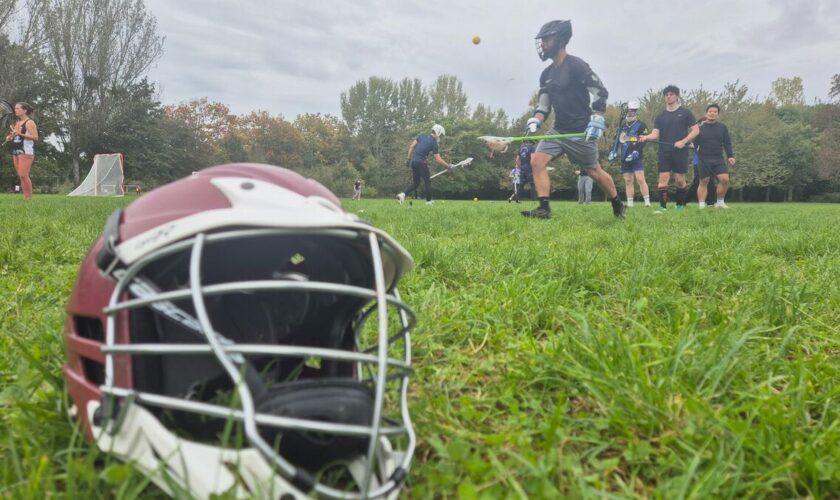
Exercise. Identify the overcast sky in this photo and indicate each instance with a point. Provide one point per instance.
(290, 57)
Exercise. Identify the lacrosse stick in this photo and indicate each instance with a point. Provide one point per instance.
(500, 144)
(623, 138)
(462, 163)
(7, 112)
(622, 116)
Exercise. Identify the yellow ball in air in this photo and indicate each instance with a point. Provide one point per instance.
(476, 39)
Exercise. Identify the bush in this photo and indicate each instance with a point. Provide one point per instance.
(825, 198)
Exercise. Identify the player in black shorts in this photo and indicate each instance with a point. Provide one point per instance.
(565, 88)
(672, 127)
(712, 141)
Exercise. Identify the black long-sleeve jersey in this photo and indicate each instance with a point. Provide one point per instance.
(568, 87)
(713, 141)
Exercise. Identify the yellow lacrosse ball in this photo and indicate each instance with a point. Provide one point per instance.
(476, 40)
(475, 199)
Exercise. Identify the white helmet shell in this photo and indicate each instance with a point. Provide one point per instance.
(633, 105)
(438, 130)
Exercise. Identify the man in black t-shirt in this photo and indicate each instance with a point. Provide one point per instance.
(567, 86)
(672, 127)
(712, 140)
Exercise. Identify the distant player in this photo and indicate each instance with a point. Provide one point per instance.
(357, 190)
(672, 126)
(22, 136)
(418, 150)
(711, 197)
(523, 160)
(584, 187)
(631, 154)
(515, 178)
(712, 142)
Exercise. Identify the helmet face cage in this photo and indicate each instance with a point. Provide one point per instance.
(296, 365)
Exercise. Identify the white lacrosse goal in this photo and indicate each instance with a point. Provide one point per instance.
(105, 177)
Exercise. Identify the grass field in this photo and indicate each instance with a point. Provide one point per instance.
(688, 355)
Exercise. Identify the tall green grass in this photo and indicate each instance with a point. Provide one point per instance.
(688, 355)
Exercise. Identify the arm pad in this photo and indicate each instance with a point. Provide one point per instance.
(543, 104)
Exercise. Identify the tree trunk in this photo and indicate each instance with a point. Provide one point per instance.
(767, 194)
(76, 169)
(789, 194)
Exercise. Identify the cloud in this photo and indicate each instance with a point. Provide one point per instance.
(294, 57)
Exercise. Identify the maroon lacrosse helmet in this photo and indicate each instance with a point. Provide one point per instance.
(239, 298)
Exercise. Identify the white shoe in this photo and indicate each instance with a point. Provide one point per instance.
(401, 198)
(431, 202)
(721, 205)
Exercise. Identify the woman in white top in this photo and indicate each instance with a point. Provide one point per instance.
(23, 135)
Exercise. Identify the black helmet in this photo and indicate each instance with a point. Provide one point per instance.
(562, 32)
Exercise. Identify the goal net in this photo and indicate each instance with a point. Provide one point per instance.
(105, 177)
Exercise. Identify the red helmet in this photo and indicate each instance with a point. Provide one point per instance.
(230, 332)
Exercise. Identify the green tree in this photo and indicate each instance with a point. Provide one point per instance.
(271, 139)
(97, 48)
(827, 168)
(134, 128)
(834, 91)
(447, 98)
(325, 138)
(368, 109)
(787, 92)
(412, 103)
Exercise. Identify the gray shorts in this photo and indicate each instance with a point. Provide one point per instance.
(580, 152)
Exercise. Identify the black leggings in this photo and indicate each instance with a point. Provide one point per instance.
(420, 171)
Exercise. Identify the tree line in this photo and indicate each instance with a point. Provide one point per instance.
(83, 64)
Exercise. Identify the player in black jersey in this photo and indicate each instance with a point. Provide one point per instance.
(712, 142)
(565, 87)
(672, 127)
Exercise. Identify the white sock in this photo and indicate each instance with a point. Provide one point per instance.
(720, 202)
(702, 204)
(647, 199)
(629, 202)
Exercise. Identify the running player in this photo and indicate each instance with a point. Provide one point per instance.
(565, 87)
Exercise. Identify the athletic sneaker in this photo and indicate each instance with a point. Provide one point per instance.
(538, 213)
(430, 202)
(401, 198)
(680, 207)
(660, 211)
(619, 210)
(721, 205)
